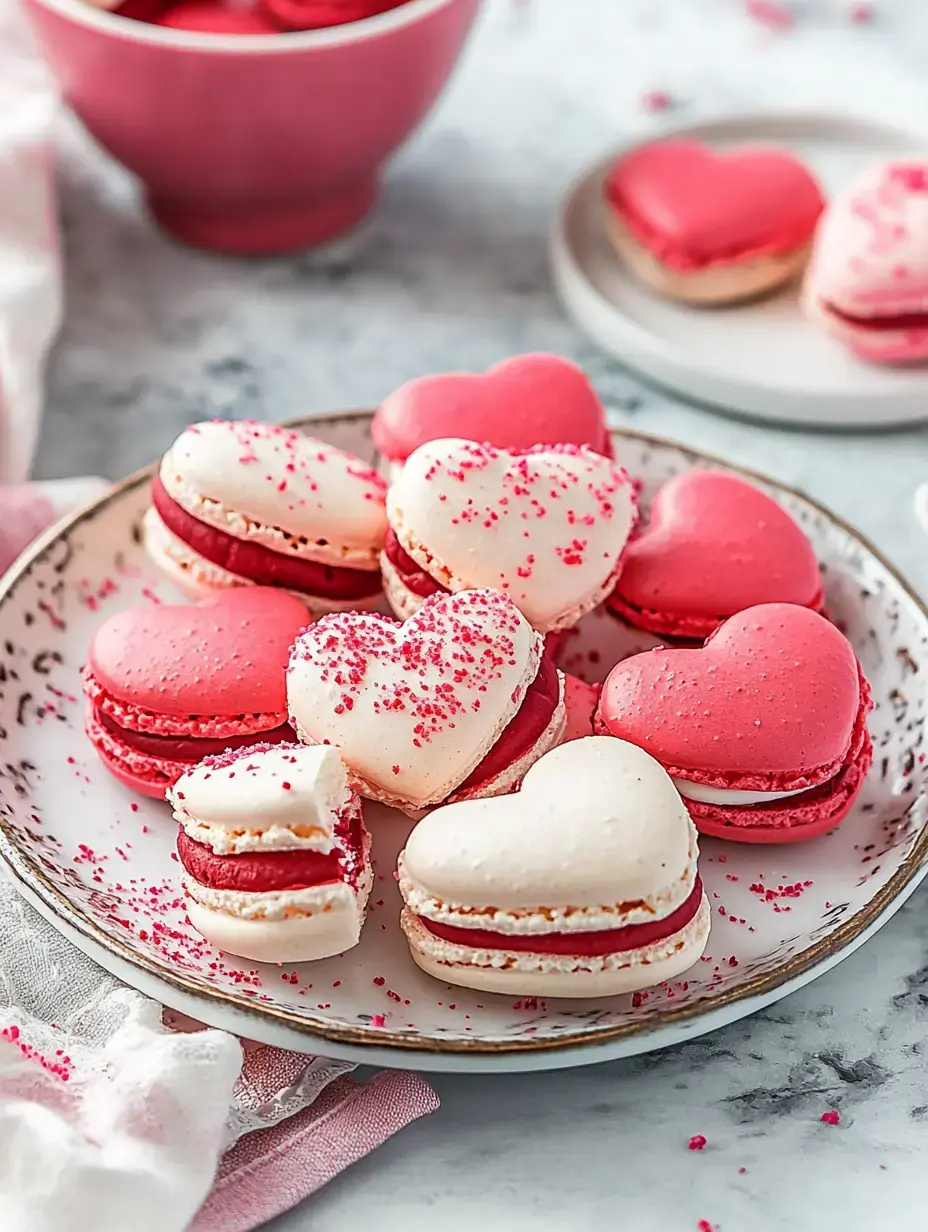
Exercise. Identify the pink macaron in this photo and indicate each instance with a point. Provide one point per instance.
(582, 884)
(547, 525)
(457, 702)
(248, 503)
(275, 855)
(713, 545)
(528, 400)
(867, 282)
(711, 227)
(168, 685)
(763, 729)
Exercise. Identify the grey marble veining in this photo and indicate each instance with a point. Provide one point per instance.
(452, 272)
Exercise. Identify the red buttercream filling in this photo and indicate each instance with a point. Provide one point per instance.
(903, 321)
(258, 872)
(258, 563)
(413, 576)
(188, 748)
(524, 729)
(581, 944)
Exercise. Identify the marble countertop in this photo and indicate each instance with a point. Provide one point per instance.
(452, 272)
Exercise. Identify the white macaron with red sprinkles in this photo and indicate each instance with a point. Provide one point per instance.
(582, 884)
(275, 854)
(240, 503)
(546, 525)
(459, 701)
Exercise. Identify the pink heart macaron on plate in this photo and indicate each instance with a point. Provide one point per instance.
(713, 546)
(547, 527)
(529, 400)
(98, 859)
(458, 701)
(168, 685)
(581, 884)
(711, 226)
(763, 730)
(244, 503)
(867, 283)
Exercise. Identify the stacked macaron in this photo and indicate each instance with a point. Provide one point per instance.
(547, 526)
(457, 702)
(168, 685)
(275, 855)
(237, 504)
(583, 884)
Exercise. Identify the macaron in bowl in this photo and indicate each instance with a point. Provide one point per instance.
(711, 227)
(248, 503)
(763, 730)
(712, 546)
(867, 282)
(275, 854)
(535, 399)
(168, 685)
(582, 884)
(457, 702)
(546, 525)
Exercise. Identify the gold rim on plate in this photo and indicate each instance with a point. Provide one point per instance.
(25, 869)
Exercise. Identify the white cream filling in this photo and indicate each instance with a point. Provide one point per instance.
(731, 796)
(231, 522)
(538, 920)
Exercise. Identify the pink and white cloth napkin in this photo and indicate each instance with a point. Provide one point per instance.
(113, 1114)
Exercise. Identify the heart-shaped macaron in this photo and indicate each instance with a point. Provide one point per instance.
(169, 684)
(582, 883)
(414, 708)
(224, 656)
(547, 526)
(762, 729)
(714, 545)
(868, 278)
(692, 205)
(528, 400)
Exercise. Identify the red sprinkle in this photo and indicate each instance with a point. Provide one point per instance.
(770, 14)
(833, 1117)
(697, 1142)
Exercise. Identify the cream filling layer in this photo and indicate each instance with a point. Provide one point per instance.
(564, 919)
(228, 840)
(692, 936)
(731, 796)
(221, 517)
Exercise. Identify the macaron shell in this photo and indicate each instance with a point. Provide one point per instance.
(871, 247)
(596, 823)
(289, 785)
(547, 527)
(694, 206)
(528, 400)
(776, 690)
(225, 656)
(715, 545)
(414, 708)
(278, 478)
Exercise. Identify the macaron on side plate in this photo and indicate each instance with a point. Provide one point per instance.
(96, 860)
(762, 359)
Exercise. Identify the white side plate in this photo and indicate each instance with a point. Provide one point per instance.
(761, 359)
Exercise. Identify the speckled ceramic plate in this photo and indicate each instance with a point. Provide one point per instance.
(97, 862)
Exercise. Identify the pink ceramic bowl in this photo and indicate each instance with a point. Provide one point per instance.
(247, 143)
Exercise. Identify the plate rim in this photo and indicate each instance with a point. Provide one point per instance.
(653, 359)
(837, 945)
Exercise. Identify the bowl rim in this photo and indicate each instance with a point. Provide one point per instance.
(830, 948)
(84, 13)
